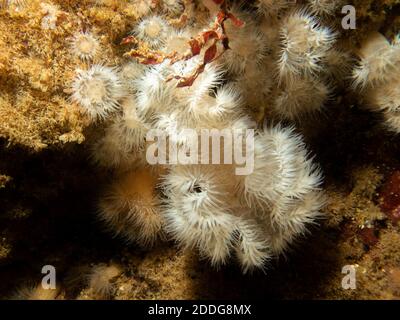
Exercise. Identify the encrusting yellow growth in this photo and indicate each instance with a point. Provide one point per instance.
(37, 65)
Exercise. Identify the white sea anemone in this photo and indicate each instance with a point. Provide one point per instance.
(292, 218)
(280, 154)
(35, 292)
(152, 30)
(270, 29)
(385, 97)
(123, 143)
(324, 7)
(196, 97)
(197, 211)
(256, 83)
(85, 46)
(378, 71)
(153, 93)
(247, 44)
(338, 65)
(300, 97)
(208, 207)
(252, 246)
(98, 91)
(177, 41)
(101, 279)
(273, 7)
(130, 208)
(292, 181)
(227, 104)
(379, 61)
(143, 7)
(172, 7)
(392, 121)
(131, 71)
(51, 13)
(304, 44)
